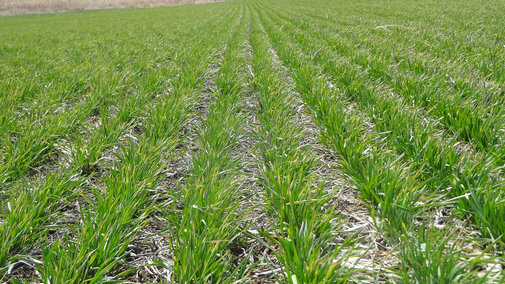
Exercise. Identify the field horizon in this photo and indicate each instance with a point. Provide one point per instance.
(21, 7)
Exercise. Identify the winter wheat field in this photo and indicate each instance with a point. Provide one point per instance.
(255, 142)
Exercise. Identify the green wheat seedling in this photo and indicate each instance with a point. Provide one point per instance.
(463, 118)
(30, 210)
(358, 171)
(209, 220)
(369, 168)
(391, 189)
(432, 256)
(103, 238)
(104, 235)
(102, 88)
(303, 230)
(413, 138)
(441, 164)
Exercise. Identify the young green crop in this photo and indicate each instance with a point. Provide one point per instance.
(457, 106)
(209, 220)
(27, 214)
(58, 254)
(118, 126)
(390, 186)
(103, 238)
(303, 231)
(440, 164)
